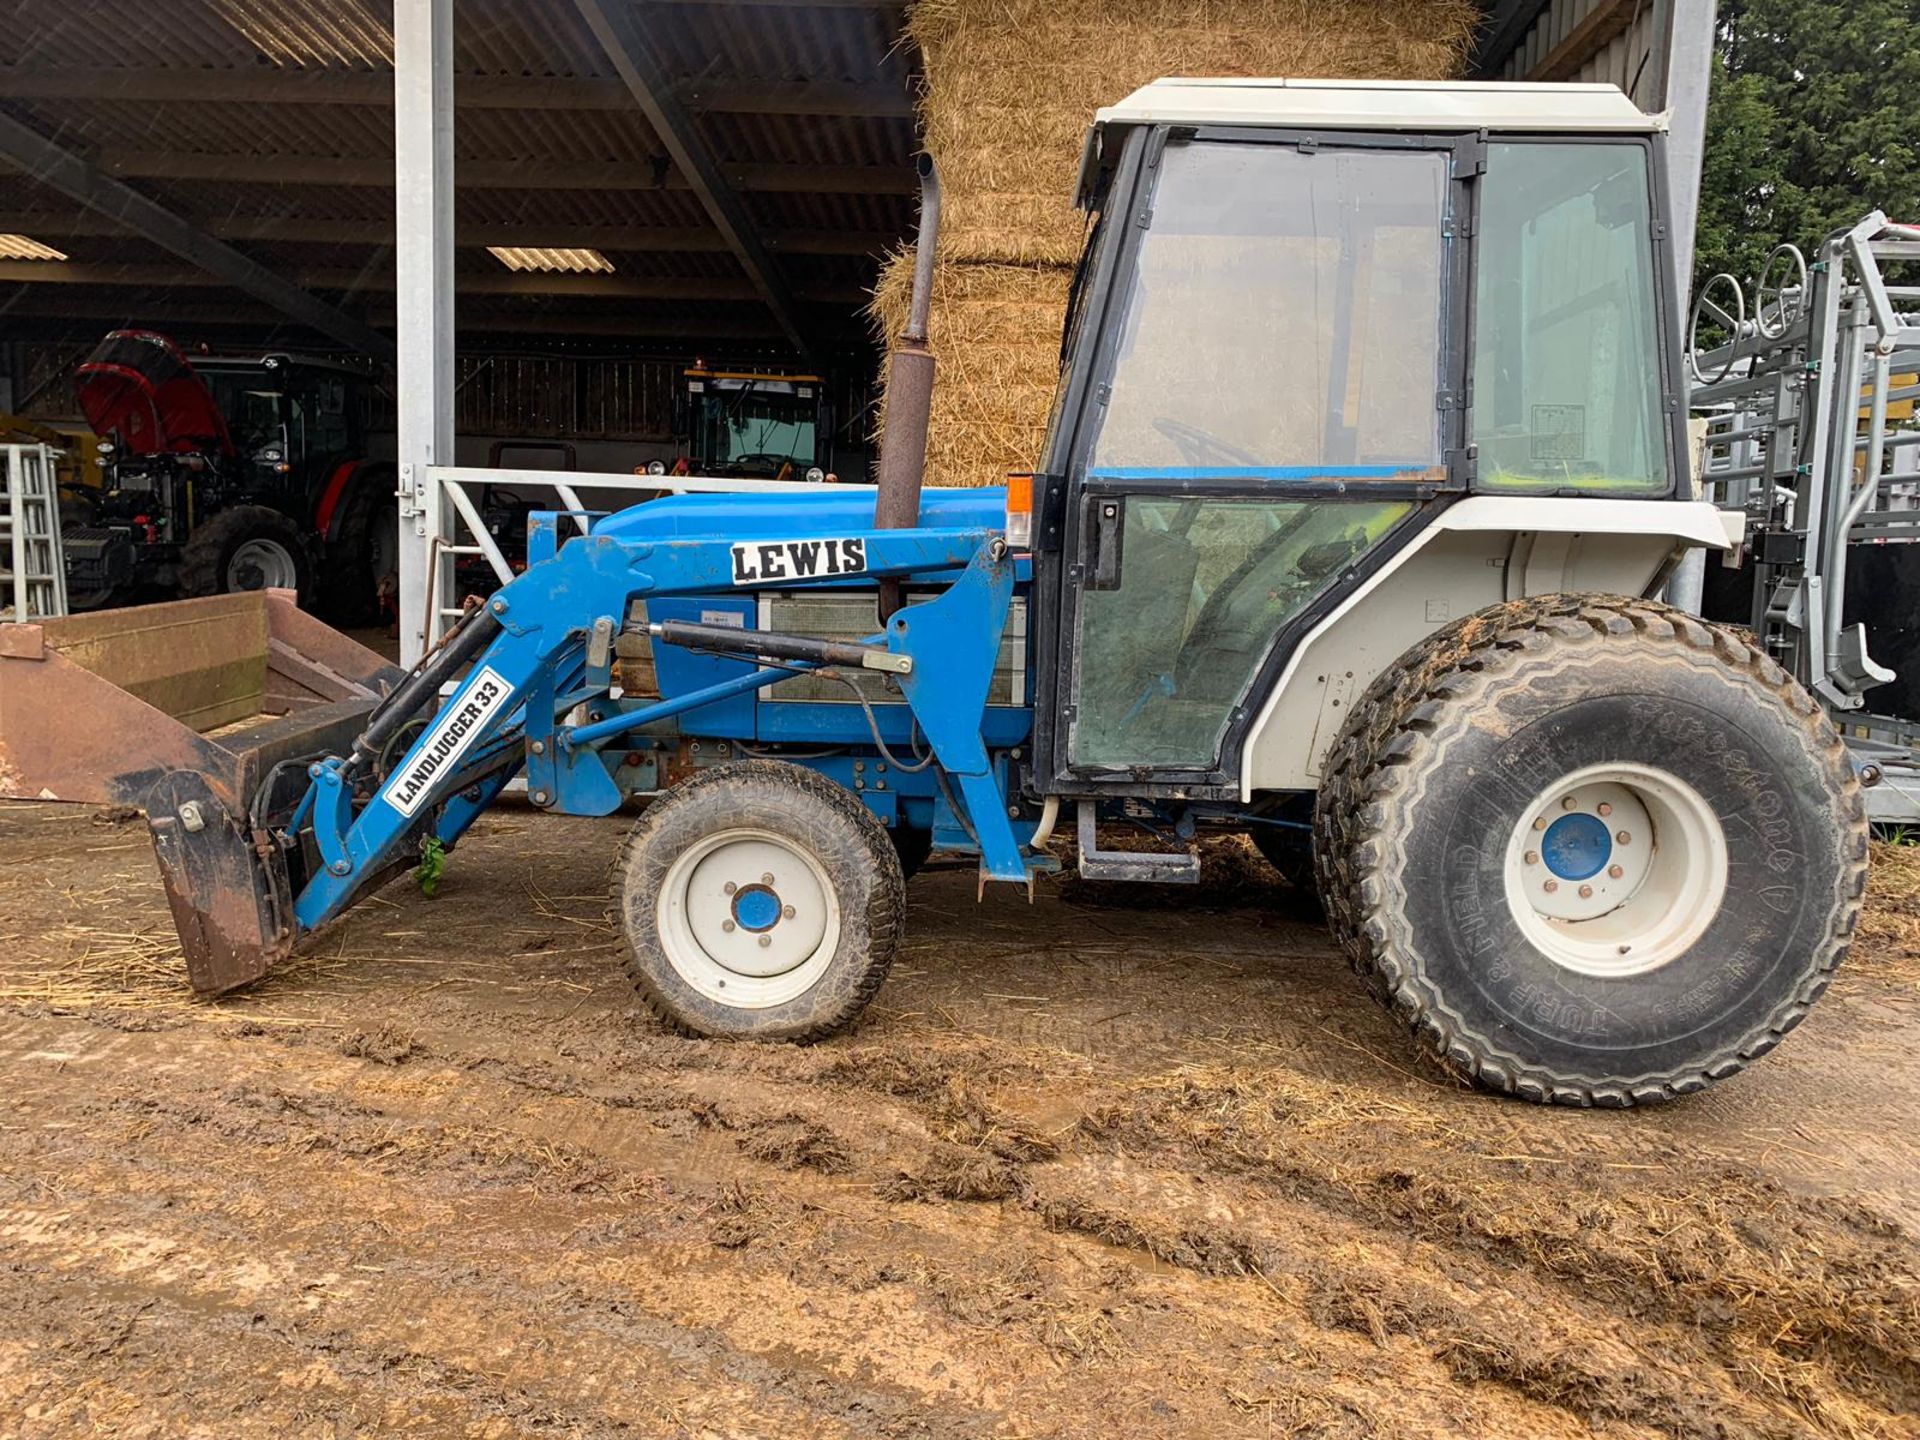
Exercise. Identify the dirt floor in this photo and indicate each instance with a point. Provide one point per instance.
(1096, 1168)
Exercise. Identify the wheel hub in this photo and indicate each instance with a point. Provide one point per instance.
(748, 917)
(261, 564)
(756, 908)
(1616, 870)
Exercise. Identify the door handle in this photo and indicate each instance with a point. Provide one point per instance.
(1107, 519)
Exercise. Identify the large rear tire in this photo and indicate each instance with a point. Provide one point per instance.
(1592, 849)
(363, 557)
(760, 901)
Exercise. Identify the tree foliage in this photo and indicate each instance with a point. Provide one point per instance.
(1813, 119)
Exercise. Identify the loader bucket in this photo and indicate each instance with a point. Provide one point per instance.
(183, 711)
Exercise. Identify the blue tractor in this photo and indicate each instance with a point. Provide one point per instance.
(1368, 457)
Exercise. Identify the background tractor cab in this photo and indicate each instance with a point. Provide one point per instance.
(745, 425)
(227, 473)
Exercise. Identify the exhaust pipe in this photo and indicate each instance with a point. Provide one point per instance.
(903, 451)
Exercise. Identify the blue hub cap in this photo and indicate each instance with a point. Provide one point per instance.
(755, 907)
(1575, 847)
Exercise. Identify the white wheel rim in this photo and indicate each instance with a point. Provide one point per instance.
(1616, 870)
(748, 919)
(262, 565)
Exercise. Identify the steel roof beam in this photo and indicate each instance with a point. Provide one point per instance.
(374, 88)
(60, 169)
(373, 171)
(502, 282)
(652, 91)
(300, 230)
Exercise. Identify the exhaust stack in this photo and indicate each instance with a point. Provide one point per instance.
(903, 451)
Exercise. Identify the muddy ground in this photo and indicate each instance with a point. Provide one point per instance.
(1093, 1168)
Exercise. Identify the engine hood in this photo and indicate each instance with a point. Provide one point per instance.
(138, 387)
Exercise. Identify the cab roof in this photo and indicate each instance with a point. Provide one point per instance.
(1408, 106)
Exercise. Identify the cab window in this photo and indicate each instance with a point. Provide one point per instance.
(1566, 350)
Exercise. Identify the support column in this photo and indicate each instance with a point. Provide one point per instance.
(423, 253)
(1683, 54)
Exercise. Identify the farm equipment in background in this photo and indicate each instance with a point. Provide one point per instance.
(1808, 401)
(229, 473)
(1369, 448)
(751, 425)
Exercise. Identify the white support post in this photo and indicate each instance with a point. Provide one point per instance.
(423, 253)
(1687, 54)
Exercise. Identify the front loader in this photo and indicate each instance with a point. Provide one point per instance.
(1367, 462)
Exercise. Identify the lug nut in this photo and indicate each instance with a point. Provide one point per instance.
(786, 912)
(1604, 808)
(728, 888)
(1540, 824)
(1614, 872)
(765, 940)
(767, 879)
(1586, 892)
(1551, 886)
(1624, 838)
(1532, 857)
(1567, 804)
(727, 925)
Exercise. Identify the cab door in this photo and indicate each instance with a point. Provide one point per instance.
(1274, 405)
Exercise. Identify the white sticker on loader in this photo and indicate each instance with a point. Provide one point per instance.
(756, 561)
(484, 694)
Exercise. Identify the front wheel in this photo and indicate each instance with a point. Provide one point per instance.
(1592, 850)
(760, 901)
(248, 547)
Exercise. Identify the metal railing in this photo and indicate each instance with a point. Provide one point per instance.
(445, 504)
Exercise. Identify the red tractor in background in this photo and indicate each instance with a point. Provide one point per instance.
(229, 473)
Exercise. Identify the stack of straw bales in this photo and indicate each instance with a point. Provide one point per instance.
(1010, 87)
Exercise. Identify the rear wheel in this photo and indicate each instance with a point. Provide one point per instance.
(249, 547)
(1592, 850)
(760, 901)
(362, 559)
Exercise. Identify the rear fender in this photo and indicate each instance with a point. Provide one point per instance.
(1481, 551)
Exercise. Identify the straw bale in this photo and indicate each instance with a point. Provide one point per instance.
(1009, 88)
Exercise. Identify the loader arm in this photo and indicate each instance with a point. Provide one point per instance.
(551, 651)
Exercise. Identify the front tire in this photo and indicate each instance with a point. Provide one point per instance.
(248, 547)
(759, 901)
(1592, 850)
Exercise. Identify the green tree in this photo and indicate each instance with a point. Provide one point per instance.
(1813, 119)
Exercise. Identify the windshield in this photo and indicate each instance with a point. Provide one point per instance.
(1283, 321)
(751, 427)
(254, 412)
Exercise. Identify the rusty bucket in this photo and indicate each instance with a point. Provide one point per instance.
(185, 711)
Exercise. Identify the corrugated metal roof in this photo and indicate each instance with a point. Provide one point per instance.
(225, 146)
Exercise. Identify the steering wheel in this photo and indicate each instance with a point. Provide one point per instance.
(1780, 300)
(1201, 447)
(1711, 312)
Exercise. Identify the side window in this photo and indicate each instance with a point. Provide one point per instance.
(1566, 348)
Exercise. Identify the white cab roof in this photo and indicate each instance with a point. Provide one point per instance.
(1409, 105)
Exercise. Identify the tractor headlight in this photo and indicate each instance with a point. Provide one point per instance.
(815, 474)
(656, 467)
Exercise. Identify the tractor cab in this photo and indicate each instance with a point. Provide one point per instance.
(1310, 318)
(190, 441)
(751, 425)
